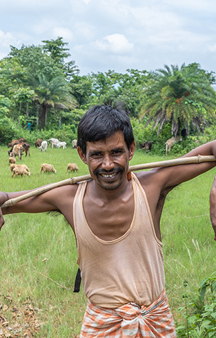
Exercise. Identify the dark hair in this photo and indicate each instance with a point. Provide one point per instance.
(102, 121)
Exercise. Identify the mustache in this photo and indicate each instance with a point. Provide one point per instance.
(106, 172)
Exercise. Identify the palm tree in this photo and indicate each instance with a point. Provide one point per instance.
(182, 96)
(52, 93)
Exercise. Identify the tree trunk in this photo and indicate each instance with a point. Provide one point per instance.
(37, 113)
(46, 112)
(20, 108)
(27, 111)
(60, 122)
(42, 117)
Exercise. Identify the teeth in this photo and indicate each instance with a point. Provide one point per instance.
(112, 175)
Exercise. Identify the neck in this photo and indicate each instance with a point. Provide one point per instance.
(105, 194)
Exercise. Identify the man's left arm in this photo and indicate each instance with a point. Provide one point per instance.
(182, 173)
(213, 206)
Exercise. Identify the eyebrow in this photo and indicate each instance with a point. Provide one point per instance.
(93, 152)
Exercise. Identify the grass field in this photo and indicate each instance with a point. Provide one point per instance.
(38, 251)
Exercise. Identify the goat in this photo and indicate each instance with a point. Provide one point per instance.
(47, 168)
(72, 167)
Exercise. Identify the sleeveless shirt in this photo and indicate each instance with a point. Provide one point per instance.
(127, 269)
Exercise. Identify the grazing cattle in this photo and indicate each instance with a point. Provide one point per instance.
(72, 167)
(13, 142)
(12, 159)
(26, 147)
(169, 143)
(47, 168)
(20, 171)
(17, 151)
(61, 144)
(147, 146)
(38, 142)
(43, 146)
(74, 144)
(53, 142)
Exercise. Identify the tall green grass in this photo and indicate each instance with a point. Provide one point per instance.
(38, 251)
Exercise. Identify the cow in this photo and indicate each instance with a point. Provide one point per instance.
(26, 147)
(43, 146)
(61, 144)
(169, 143)
(147, 146)
(11, 144)
(74, 144)
(16, 151)
(53, 142)
(38, 142)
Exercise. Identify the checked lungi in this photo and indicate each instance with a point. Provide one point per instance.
(129, 320)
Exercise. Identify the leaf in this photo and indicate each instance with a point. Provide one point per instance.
(202, 292)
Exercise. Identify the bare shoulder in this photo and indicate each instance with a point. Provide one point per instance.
(61, 195)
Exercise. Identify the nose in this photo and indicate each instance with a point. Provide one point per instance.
(107, 163)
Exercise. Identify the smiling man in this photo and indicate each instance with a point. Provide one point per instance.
(115, 217)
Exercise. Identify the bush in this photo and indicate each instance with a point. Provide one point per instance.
(199, 315)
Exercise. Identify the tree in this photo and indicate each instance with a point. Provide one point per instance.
(24, 96)
(81, 89)
(52, 93)
(57, 51)
(182, 96)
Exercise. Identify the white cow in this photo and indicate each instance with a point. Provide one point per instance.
(74, 144)
(43, 146)
(53, 142)
(61, 144)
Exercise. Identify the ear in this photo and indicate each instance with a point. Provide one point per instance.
(131, 150)
(82, 155)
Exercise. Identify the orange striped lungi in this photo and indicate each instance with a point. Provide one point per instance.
(129, 320)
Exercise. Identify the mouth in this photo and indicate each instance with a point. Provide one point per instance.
(109, 175)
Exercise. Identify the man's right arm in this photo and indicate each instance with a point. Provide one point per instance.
(58, 199)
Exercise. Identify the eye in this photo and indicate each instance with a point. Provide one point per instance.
(96, 154)
(117, 152)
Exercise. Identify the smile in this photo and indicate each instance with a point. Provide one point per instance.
(109, 176)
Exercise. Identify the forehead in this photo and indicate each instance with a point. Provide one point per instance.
(116, 140)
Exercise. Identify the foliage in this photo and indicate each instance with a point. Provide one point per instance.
(57, 51)
(182, 96)
(200, 316)
(5, 104)
(8, 129)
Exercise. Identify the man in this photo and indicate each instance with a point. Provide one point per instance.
(116, 221)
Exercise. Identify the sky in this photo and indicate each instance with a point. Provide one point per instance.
(116, 35)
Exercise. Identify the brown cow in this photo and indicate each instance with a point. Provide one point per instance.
(11, 144)
(17, 151)
(26, 147)
(38, 142)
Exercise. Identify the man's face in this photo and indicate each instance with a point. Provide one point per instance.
(108, 160)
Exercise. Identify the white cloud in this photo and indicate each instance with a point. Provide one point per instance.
(63, 32)
(6, 39)
(212, 48)
(115, 43)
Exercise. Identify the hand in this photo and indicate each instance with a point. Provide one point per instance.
(213, 206)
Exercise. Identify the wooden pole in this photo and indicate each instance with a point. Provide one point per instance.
(74, 180)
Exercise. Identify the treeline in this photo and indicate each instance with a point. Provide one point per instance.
(38, 85)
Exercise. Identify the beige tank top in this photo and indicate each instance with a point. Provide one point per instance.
(127, 269)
